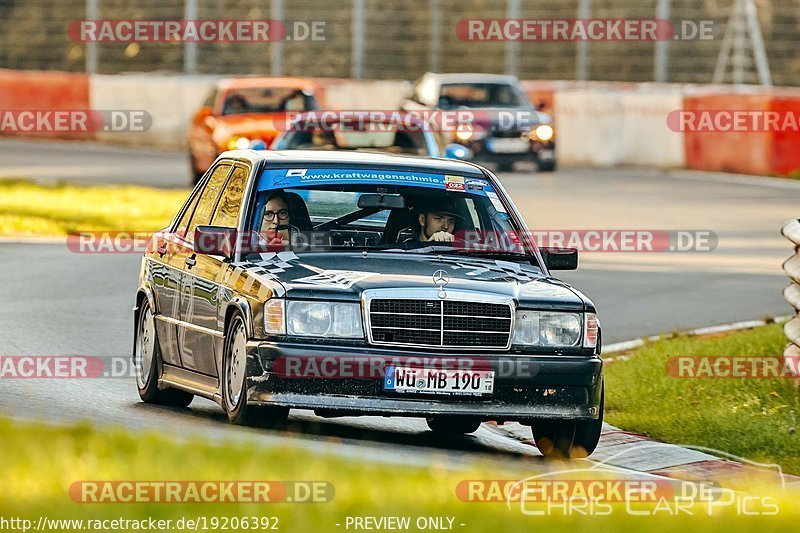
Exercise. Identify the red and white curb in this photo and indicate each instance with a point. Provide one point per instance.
(638, 453)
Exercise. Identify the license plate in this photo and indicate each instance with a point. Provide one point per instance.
(438, 381)
(509, 146)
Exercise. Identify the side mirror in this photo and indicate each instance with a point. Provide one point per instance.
(456, 151)
(560, 258)
(214, 240)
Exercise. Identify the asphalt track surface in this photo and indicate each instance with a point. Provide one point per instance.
(58, 302)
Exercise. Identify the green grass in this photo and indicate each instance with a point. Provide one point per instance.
(28, 209)
(39, 463)
(753, 418)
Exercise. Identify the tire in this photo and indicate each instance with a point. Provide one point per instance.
(234, 383)
(147, 361)
(573, 440)
(505, 167)
(549, 166)
(448, 426)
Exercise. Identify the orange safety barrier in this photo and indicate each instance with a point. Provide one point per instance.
(729, 151)
(786, 143)
(45, 91)
(748, 150)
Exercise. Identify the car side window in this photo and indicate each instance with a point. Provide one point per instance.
(227, 213)
(207, 200)
(180, 229)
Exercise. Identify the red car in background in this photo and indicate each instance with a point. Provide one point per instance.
(242, 113)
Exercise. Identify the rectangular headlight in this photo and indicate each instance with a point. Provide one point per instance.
(324, 319)
(547, 328)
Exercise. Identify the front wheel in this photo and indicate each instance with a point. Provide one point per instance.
(505, 167)
(234, 383)
(565, 439)
(146, 358)
(547, 166)
(453, 425)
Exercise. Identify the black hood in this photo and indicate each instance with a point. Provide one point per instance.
(345, 275)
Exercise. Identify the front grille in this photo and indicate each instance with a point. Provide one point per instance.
(440, 323)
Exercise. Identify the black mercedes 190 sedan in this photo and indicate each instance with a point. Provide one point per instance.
(366, 284)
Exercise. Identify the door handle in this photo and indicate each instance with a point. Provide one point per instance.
(191, 261)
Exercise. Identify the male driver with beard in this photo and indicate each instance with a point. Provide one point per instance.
(437, 221)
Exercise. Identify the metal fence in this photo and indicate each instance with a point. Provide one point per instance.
(792, 292)
(400, 40)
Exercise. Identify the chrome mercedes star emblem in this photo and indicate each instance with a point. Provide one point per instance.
(441, 278)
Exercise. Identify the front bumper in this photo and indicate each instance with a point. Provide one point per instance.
(539, 152)
(338, 380)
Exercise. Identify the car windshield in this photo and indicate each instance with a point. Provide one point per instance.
(357, 209)
(266, 100)
(391, 141)
(477, 95)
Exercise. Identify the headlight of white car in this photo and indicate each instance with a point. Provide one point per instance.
(543, 132)
(314, 319)
(547, 329)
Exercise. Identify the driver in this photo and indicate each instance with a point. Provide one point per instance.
(437, 221)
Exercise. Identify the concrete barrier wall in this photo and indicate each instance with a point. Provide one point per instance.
(170, 100)
(745, 152)
(45, 91)
(609, 127)
(786, 144)
(378, 95)
(740, 152)
(597, 124)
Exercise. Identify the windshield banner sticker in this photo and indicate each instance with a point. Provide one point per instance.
(281, 178)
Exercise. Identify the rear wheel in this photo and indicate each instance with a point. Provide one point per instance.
(234, 383)
(453, 425)
(568, 439)
(146, 359)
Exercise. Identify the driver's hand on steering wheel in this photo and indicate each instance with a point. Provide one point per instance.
(442, 236)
